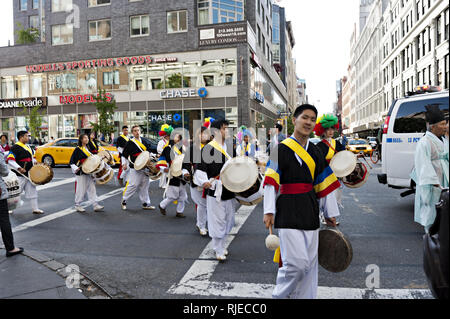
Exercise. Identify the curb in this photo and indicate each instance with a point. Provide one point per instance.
(88, 287)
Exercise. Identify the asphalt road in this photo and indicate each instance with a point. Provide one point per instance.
(142, 254)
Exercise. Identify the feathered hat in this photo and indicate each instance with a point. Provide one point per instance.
(324, 122)
(166, 129)
(208, 122)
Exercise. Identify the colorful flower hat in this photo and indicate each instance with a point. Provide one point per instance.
(325, 122)
(208, 122)
(166, 129)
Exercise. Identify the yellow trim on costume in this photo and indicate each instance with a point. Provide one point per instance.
(202, 146)
(277, 255)
(302, 153)
(176, 150)
(125, 189)
(325, 184)
(245, 149)
(85, 150)
(142, 146)
(124, 137)
(26, 147)
(273, 174)
(218, 147)
(162, 162)
(331, 151)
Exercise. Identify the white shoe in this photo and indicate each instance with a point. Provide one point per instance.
(38, 212)
(11, 211)
(225, 252)
(221, 257)
(98, 208)
(80, 209)
(124, 206)
(203, 232)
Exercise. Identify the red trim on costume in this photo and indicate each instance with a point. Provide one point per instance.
(293, 189)
(271, 181)
(329, 189)
(26, 160)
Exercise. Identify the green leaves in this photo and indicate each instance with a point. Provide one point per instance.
(33, 118)
(26, 36)
(105, 110)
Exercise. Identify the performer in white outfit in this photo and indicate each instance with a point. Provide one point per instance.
(198, 194)
(21, 159)
(220, 202)
(138, 181)
(122, 140)
(164, 133)
(297, 170)
(85, 183)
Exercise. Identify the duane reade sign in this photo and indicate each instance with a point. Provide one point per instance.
(223, 34)
(27, 102)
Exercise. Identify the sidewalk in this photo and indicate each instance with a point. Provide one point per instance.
(33, 276)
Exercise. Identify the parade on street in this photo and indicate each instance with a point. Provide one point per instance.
(185, 151)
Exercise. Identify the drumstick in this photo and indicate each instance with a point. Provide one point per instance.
(270, 229)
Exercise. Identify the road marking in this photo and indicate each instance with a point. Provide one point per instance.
(197, 280)
(55, 184)
(62, 213)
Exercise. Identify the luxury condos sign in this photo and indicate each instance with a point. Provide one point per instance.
(27, 102)
(229, 33)
(89, 64)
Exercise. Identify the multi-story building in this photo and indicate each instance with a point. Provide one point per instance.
(301, 89)
(367, 64)
(290, 71)
(346, 103)
(161, 61)
(415, 47)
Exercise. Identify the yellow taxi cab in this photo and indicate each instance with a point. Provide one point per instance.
(59, 151)
(359, 146)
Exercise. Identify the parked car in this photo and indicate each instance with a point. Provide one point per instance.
(358, 146)
(60, 151)
(404, 126)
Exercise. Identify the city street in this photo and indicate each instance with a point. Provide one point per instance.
(142, 254)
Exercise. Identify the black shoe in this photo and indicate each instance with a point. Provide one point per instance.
(162, 210)
(180, 215)
(10, 254)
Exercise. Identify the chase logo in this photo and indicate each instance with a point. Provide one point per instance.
(177, 117)
(202, 92)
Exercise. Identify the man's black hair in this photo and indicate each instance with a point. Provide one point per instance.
(124, 127)
(217, 124)
(279, 127)
(21, 133)
(303, 107)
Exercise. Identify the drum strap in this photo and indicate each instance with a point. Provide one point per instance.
(218, 147)
(139, 144)
(124, 137)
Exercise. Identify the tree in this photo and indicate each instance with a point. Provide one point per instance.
(105, 110)
(174, 81)
(26, 36)
(33, 118)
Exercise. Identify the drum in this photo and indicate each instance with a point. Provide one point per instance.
(147, 163)
(239, 174)
(98, 169)
(254, 195)
(14, 190)
(41, 174)
(358, 177)
(107, 157)
(335, 250)
(343, 163)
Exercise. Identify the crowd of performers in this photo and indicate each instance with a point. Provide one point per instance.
(298, 186)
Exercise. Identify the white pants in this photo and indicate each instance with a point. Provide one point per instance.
(220, 221)
(202, 215)
(85, 185)
(162, 180)
(137, 180)
(124, 175)
(175, 193)
(298, 278)
(30, 192)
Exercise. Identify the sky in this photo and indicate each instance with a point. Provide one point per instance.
(322, 31)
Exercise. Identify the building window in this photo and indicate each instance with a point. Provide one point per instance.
(139, 26)
(446, 72)
(99, 30)
(33, 22)
(62, 34)
(23, 5)
(95, 3)
(35, 4)
(220, 11)
(61, 5)
(177, 21)
(447, 26)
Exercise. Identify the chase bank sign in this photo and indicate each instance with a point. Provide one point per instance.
(183, 93)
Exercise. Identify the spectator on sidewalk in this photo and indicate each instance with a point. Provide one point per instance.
(5, 225)
(4, 146)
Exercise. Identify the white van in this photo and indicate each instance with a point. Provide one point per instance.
(404, 126)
